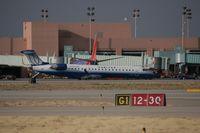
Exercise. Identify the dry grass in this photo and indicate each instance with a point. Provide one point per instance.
(98, 84)
(93, 124)
(97, 124)
(52, 103)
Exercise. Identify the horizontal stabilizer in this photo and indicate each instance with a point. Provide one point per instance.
(33, 58)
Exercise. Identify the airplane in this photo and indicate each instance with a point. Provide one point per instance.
(92, 60)
(76, 71)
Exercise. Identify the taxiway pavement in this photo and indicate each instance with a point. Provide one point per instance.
(179, 103)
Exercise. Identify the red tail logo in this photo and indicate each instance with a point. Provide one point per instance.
(94, 52)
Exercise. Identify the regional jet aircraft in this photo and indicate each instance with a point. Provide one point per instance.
(77, 71)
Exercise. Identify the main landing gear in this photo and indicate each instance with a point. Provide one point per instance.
(32, 80)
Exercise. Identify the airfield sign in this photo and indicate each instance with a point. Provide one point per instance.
(140, 99)
(122, 99)
(148, 99)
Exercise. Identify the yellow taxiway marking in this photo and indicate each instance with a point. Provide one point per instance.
(193, 90)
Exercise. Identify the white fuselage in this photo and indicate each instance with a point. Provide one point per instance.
(79, 71)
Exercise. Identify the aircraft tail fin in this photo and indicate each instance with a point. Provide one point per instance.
(94, 51)
(33, 58)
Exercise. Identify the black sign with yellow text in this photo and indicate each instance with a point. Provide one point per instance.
(122, 99)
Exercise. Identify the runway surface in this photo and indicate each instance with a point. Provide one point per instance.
(63, 80)
(179, 103)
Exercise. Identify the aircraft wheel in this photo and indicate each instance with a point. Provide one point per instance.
(32, 80)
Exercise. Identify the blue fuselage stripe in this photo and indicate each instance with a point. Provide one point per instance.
(79, 74)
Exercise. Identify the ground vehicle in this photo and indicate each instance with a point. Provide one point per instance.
(8, 77)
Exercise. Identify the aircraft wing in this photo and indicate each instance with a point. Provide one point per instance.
(108, 59)
(94, 62)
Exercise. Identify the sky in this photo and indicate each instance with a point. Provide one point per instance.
(158, 18)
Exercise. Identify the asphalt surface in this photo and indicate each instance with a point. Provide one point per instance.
(179, 103)
(61, 80)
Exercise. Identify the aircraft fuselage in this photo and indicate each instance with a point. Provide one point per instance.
(95, 71)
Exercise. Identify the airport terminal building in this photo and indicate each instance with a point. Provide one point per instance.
(112, 39)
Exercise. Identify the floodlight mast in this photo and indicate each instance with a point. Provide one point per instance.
(136, 15)
(90, 14)
(186, 17)
(44, 14)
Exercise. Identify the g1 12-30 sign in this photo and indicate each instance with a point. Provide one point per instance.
(140, 99)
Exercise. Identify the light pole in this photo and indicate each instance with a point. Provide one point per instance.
(183, 25)
(44, 14)
(186, 17)
(136, 15)
(90, 14)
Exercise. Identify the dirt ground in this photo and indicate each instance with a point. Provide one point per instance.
(102, 84)
(53, 103)
(97, 124)
(93, 124)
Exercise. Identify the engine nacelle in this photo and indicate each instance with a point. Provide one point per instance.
(59, 66)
